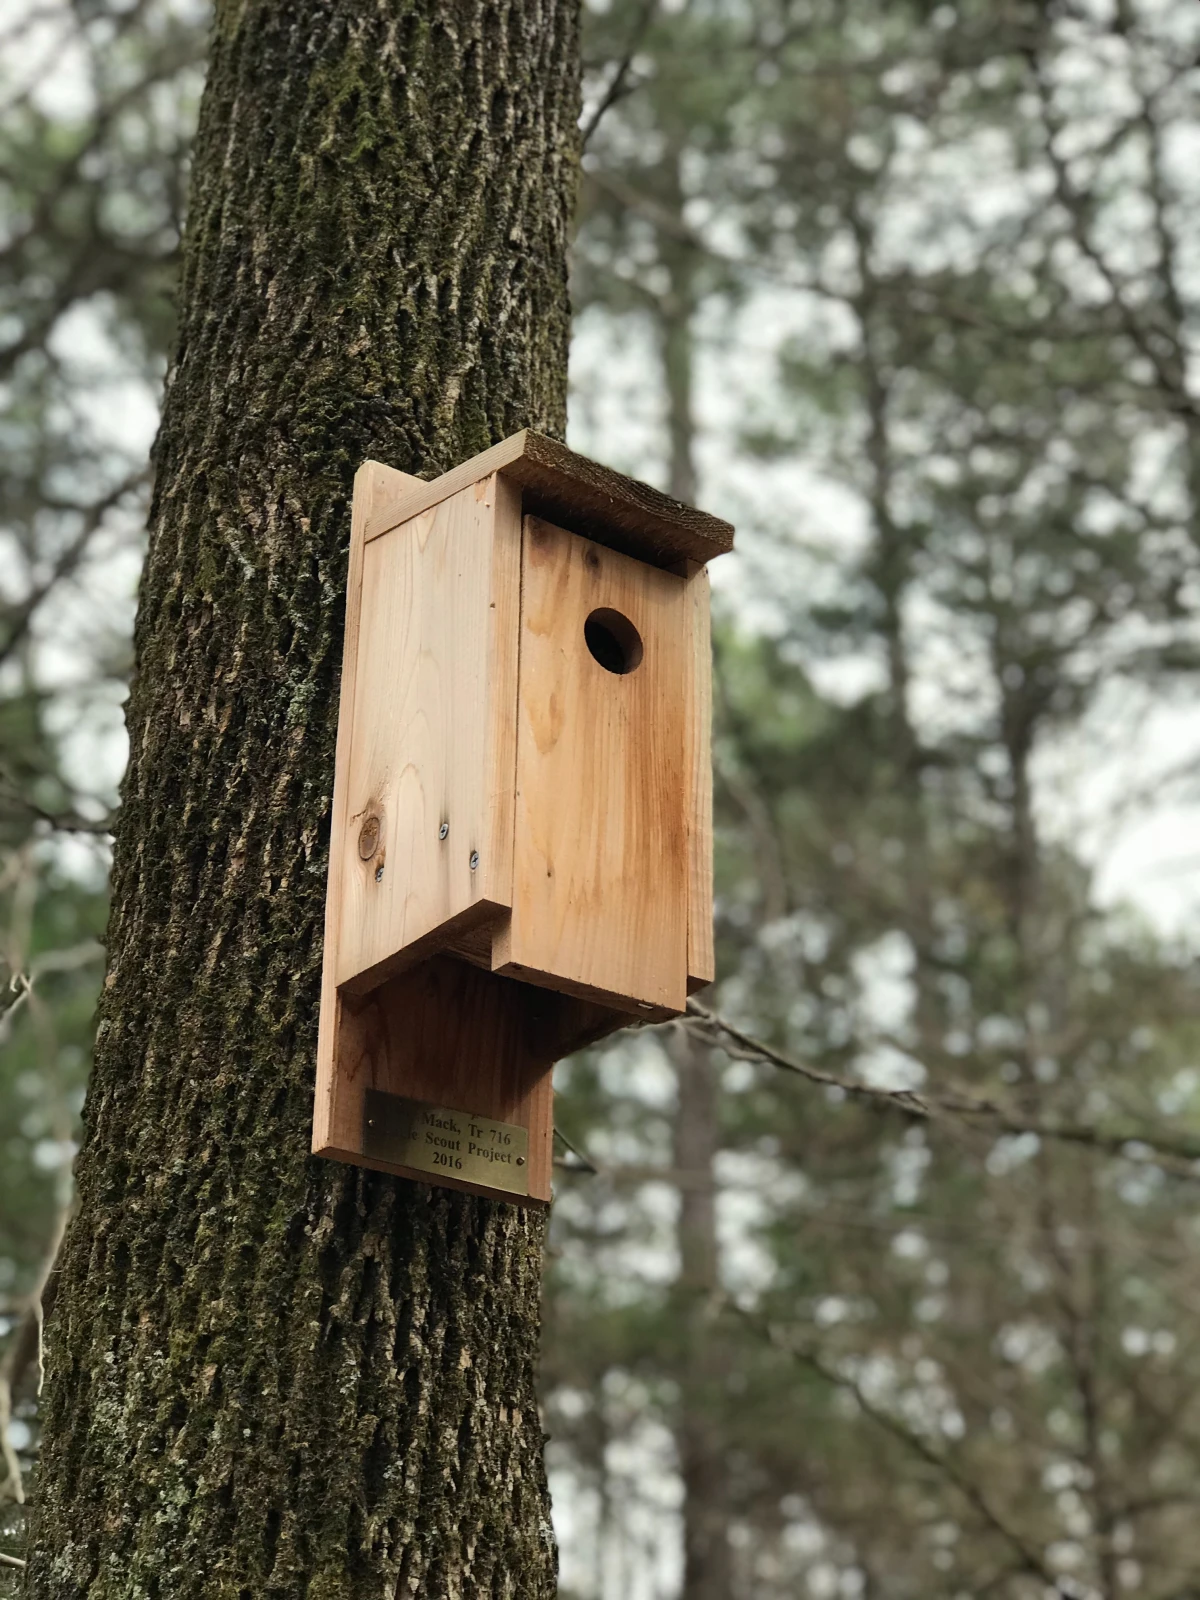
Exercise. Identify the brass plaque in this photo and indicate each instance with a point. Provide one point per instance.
(445, 1144)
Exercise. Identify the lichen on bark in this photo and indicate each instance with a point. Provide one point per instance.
(270, 1375)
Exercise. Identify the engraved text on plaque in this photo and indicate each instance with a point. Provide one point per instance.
(446, 1144)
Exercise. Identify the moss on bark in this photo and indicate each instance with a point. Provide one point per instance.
(269, 1375)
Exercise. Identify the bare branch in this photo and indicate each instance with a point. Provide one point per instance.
(616, 89)
(586, 1164)
(66, 821)
(13, 1486)
(1168, 369)
(1029, 1559)
(16, 619)
(1178, 1156)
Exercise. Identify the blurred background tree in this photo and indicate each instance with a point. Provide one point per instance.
(96, 107)
(912, 284)
(909, 291)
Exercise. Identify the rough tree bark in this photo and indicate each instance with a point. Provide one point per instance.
(270, 1375)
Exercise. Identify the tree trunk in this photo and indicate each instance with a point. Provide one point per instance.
(270, 1375)
(703, 1466)
(707, 1564)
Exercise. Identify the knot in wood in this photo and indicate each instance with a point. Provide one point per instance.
(368, 838)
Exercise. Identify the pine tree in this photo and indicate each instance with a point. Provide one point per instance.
(952, 1353)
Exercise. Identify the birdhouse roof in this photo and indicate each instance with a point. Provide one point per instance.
(584, 496)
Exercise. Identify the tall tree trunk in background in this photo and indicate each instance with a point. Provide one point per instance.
(270, 1375)
(703, 1466)
(676, 310)
(707, 1572)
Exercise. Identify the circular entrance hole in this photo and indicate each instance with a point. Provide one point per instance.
(613, 640)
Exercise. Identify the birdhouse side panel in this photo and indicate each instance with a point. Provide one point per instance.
(600, 884)
(701, 955)
(426, 844)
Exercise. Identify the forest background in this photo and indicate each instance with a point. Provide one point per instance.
(877, 1277)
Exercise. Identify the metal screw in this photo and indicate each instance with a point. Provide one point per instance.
(474, 859)
(379, 873)
(443, 830)
(520, 1161)
(370, 1122)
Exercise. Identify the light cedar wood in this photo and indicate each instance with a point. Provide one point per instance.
(373, 484)
(701, 960)
(467, 1040)
(586, 794)
(600, 873)
(591, 499)
(432, 739)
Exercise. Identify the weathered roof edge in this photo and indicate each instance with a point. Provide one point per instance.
(586, 497)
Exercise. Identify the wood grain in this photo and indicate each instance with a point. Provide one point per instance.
(558, 484)
(371, 483)
(432, 741)
(470, 698)
(600, 877)
(450, 1034)
(701, 958)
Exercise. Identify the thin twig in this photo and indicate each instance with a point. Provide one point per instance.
(586, 1163)
(26, 1348)
(13, 1487)
(67, 821)
(926, 296)
(1076, 204)
(616, 85)
(19, 985)
(951, 1470)
(1179, 1156)
(17, 618)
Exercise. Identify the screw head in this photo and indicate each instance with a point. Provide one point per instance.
(474, 859)
(520, 1161)
(443, 830)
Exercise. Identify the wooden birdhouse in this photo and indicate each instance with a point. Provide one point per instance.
(521, 849)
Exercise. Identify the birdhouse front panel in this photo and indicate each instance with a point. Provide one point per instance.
(701, 957)
(600, 859)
